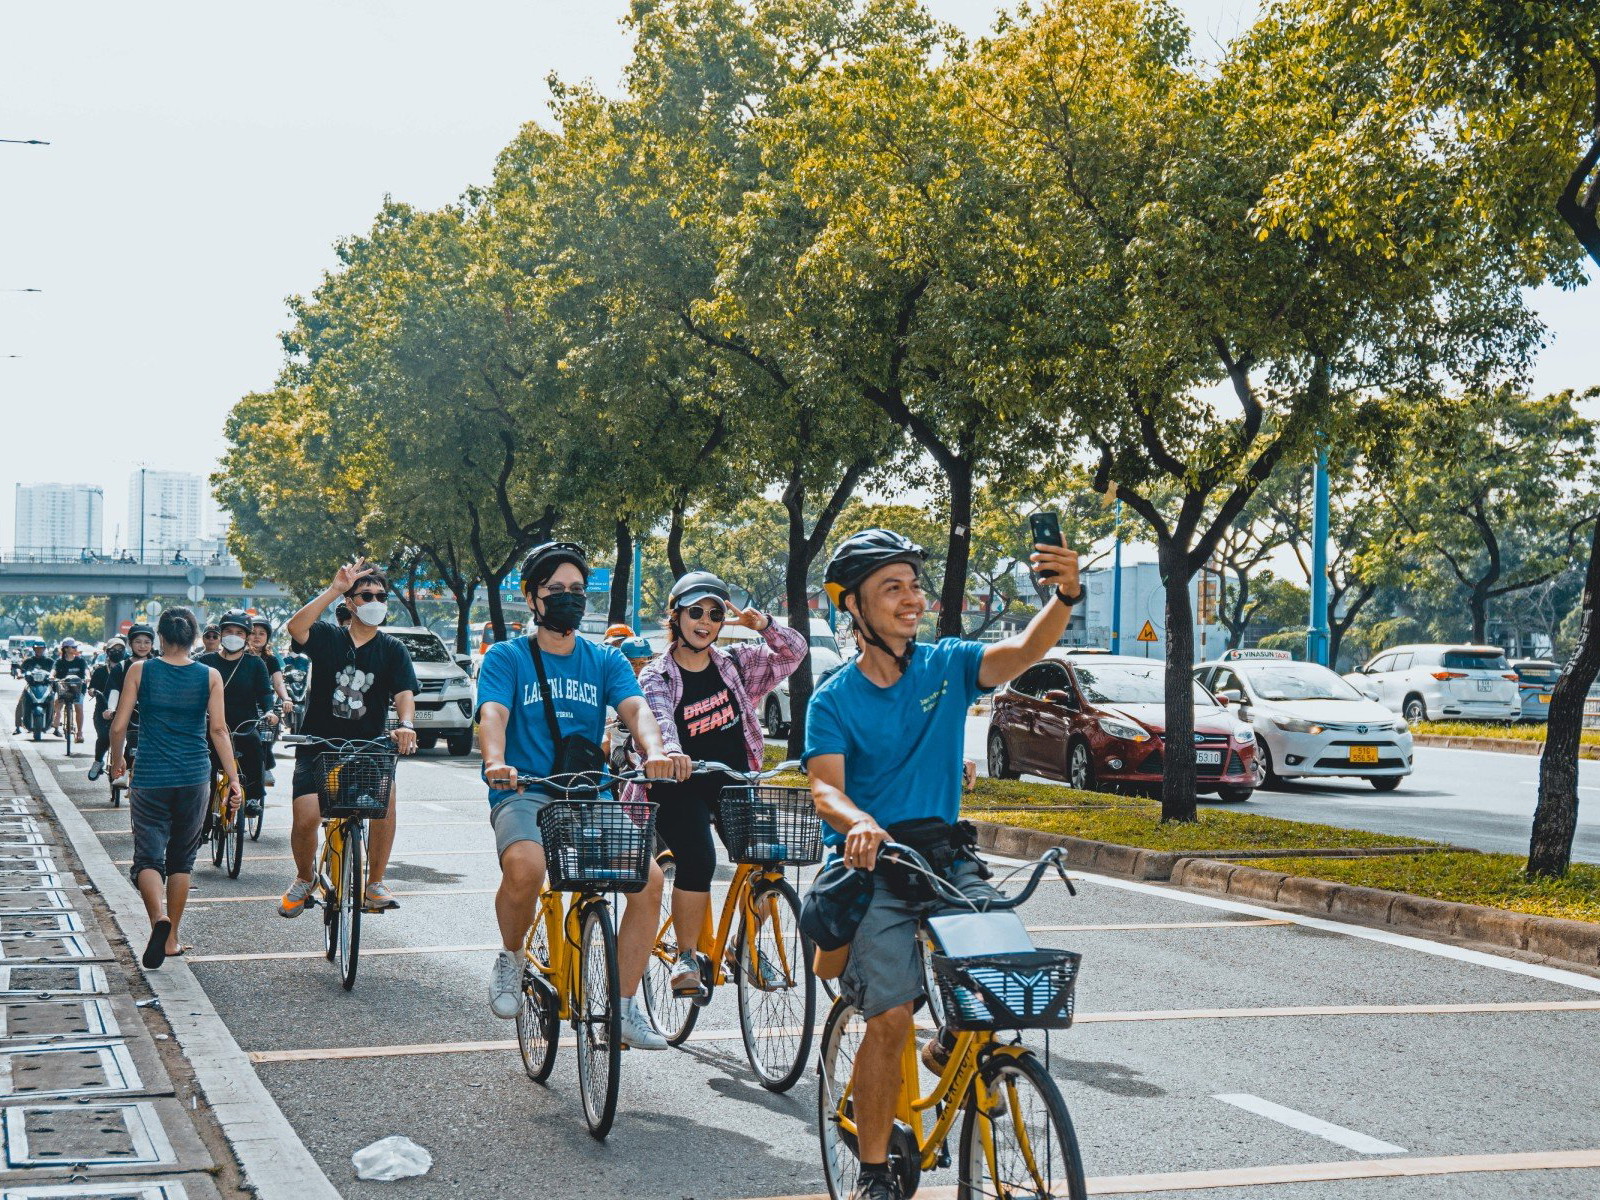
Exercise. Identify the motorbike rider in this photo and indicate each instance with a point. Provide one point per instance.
(100, 689)
(71, 665)
(37, 660)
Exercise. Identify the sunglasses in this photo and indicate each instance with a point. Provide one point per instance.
(704, 612)
(366, 596)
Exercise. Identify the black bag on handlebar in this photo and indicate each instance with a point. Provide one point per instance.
(942, 844)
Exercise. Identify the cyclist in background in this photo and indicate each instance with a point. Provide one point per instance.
(246, 695)
(259, 639)
(615, 635)
(210, 638)
(100, 689)
(71, 665)
(514, 730)
(884, 739)
(356, 674)
(707, 702)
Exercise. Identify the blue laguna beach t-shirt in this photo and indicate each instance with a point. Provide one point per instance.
(585, 683)
(902, 745)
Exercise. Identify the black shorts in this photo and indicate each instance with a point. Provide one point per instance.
(307, 779)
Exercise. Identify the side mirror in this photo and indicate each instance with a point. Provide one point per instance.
(1062, 698)
(464, 661)
(1231, 696)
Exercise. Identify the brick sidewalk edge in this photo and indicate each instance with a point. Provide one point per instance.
(273, 1159)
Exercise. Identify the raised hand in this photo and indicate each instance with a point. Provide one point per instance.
(345, 577)
(750, 618)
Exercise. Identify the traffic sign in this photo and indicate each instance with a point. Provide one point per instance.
(152, 610)
(1147, 633)
(196, 576)
(124, 626)
(196, 593)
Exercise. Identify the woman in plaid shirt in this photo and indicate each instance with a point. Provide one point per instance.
(707, 702)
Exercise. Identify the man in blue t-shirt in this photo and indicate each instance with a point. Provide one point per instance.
(514, 732)
(884, 738)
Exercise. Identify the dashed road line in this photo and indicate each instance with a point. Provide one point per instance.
(1261, 923)
(1339, 1135)
(366, 951)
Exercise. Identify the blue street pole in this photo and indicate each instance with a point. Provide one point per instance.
(638, 570)
(1317, 633)
(1116, 584)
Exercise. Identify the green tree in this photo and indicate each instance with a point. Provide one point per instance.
(87, 624)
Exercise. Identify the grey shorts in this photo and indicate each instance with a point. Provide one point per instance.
(885, 967)
(516, 819)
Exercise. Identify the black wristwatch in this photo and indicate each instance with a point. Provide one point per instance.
(1070, 601)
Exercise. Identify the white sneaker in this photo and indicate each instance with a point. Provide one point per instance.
(637, 1032)
(505, 986)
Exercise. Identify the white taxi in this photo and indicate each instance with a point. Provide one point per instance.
(1308, 721)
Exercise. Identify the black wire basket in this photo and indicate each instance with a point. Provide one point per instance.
(356, 783)
(769, 825)
(598, 845)
(1032, 989)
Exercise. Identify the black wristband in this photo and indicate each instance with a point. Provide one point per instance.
(1069, 601)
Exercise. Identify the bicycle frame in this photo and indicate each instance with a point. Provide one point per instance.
(714, 941)
(563, 926)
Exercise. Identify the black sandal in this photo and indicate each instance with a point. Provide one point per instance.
(155, 950)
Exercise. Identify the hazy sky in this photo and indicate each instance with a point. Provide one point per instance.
(206, 156)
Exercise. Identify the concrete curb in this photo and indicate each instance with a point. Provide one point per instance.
(274, 1161)
(1573, 942)
(1495, 745)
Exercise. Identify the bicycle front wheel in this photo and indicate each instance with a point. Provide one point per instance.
(233, 846)
(673, 1015)
(598, 1021)
(777, 986)
(255, 821)
(215, 831)
(351, 882)
(841, 1039)
(1018, 1139)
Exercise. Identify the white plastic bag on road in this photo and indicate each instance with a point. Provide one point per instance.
(392, 1158)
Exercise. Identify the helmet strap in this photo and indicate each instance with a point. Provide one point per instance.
(870, 636)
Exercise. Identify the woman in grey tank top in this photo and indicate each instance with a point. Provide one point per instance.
(180, 722)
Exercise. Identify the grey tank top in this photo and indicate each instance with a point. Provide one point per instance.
(173, 751)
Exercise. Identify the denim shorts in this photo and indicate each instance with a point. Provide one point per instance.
(885, 967)
(166, 827)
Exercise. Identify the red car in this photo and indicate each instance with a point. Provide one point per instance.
(1099, 721)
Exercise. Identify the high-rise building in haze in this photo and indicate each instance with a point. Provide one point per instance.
(58, 520)
(164, 513)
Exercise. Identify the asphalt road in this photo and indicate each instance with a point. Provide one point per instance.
(1184, 998)
(1473, 798)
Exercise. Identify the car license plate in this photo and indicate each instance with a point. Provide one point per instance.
(1208, 758)
(1363, 754)
(1486, 685)
(423, 715)
(1544, 697)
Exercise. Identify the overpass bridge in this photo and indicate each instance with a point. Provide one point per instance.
(130, 584)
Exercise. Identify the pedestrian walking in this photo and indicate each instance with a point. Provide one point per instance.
(180, 708)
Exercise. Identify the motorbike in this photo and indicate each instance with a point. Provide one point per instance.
(36, 693)
(296, 676)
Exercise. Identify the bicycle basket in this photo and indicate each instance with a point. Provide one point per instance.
(597, 845)
(355, 783)
(769, 825)
(1032, 989)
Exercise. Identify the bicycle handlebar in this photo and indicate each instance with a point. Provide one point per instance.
(700, 767)
(908, 858)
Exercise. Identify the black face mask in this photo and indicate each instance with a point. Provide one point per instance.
(563, 613)
(114, 654)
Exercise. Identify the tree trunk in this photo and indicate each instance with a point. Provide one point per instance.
(497, 617)
(408, 597)
(463, 597)
(953, 593)
(795, 576)
(675, 543)
(1556, 817)
(1478, 606)
(1178, 774)
(621, 575)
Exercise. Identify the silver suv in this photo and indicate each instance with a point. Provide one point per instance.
(1439, 682)
(445, 695)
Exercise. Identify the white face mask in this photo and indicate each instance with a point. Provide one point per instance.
(232, 643)
(372, 612)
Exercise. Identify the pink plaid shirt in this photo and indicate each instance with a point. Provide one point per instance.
(750, 670)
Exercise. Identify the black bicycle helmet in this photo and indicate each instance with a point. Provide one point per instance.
(857, 557)
(543, 560)
(697, 585)
(259, 622)
(139, 628)
(234, 616)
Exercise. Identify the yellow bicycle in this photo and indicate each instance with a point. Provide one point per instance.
(757, 939)
(593, 847)
(1017, 1138)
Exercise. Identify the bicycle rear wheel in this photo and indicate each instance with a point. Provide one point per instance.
(777, 987)
(673, 1015)
(841, 1039)
(598, 1021)
(537, 1027)
(233, 846)
(214, 829)
(1025, 1145)
(351, 882)
(66, 726)
(255, 821)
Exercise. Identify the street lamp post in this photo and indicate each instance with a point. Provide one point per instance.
(1317, 626)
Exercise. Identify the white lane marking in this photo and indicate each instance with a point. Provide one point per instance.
(430, 804)
(1350, 1139)
(1477, 958)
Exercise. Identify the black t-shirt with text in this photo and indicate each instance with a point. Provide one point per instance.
(74, 668)
(708, 719)
(246, 689)
(352, 686)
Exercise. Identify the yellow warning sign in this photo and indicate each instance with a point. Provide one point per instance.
(1147, 634)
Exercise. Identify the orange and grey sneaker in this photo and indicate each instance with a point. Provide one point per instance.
(379, 898)
(294, 900)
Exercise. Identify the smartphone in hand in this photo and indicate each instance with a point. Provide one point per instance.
(1046, 530)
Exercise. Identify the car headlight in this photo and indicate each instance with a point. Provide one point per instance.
(457, 687)
(1296, 725)
(1401, 727)
(1244, 735)
(1126, 730)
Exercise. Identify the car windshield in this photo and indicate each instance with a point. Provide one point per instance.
(1539, 673)
(1299, 681)
(1111, 683)
(423, 647)
(1475, 660)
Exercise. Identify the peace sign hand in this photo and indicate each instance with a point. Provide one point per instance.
(749, 618)
(345, 577)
